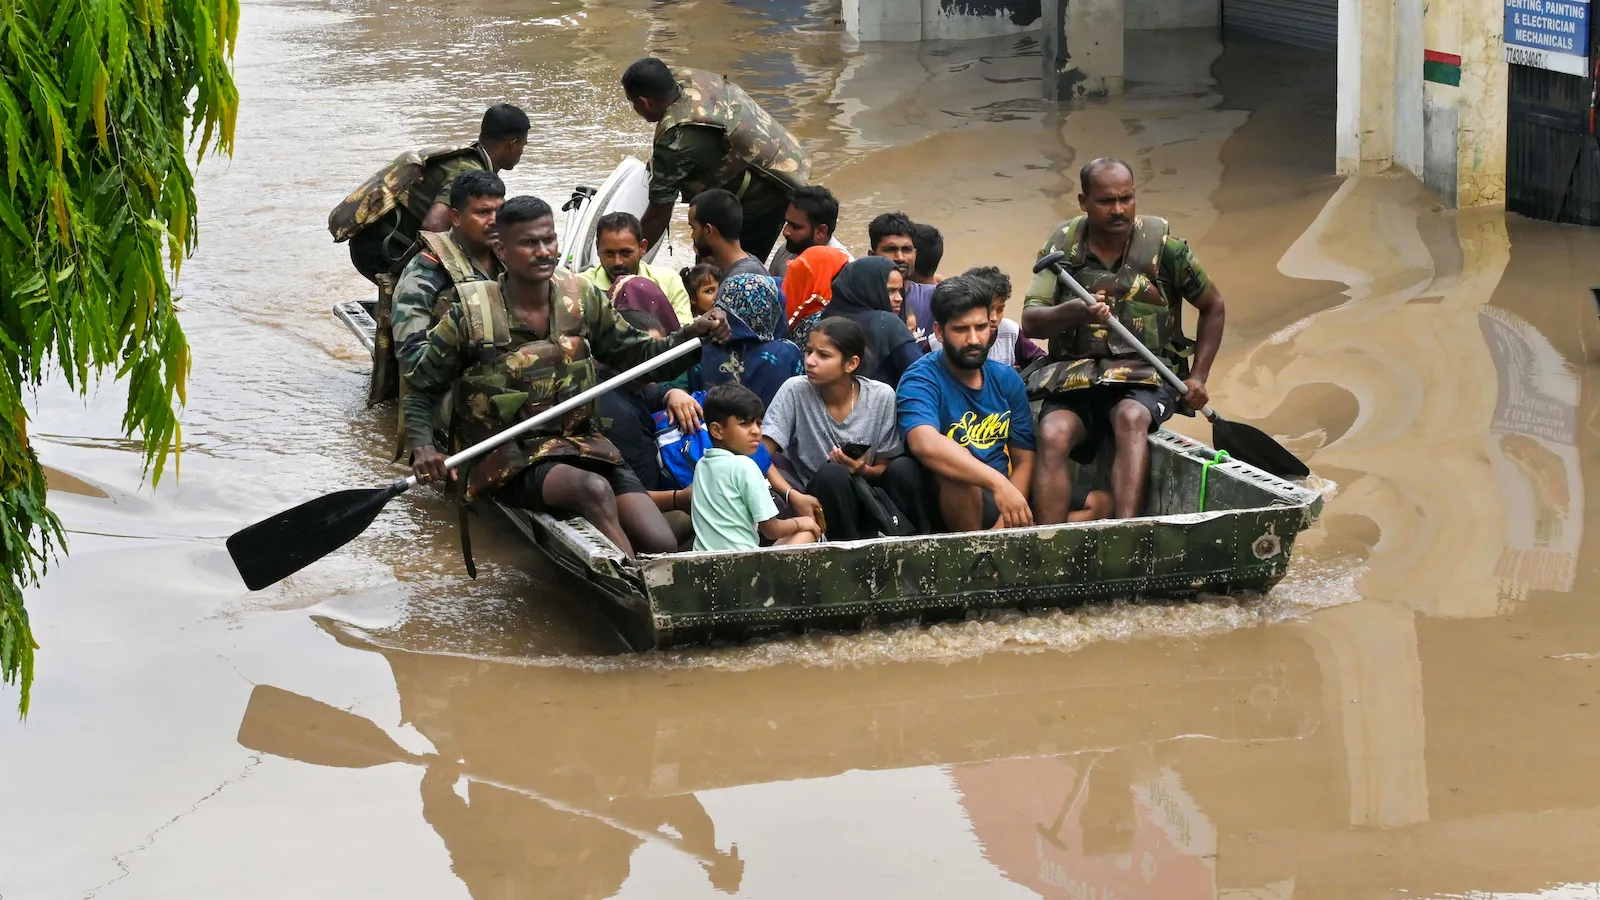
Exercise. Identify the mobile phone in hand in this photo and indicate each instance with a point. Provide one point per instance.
(854, 451)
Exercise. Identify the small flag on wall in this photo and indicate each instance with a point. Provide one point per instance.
(1441, 68)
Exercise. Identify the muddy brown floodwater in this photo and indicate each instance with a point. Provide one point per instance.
(1414, 712)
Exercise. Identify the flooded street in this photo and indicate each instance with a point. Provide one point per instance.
(1414, 711)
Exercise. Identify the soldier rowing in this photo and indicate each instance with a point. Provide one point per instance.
(1092, 385)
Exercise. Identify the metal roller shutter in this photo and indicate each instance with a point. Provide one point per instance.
(1304, 23)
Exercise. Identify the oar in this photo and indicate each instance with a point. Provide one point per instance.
(273, 549)
(292, 726)
(1251, 445)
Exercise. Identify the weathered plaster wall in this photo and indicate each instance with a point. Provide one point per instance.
(1422, 86)
(1150, 15)
(932, 20)
(1481, 152)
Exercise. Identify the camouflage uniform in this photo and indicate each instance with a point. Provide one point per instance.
(752, 138)
(502, 373)
(1146, 292)
(716, 136)
(426, 290)
(381, 218)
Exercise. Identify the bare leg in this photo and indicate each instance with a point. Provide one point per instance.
(589, 495)
(643, 522)
(1130, 471)
(961, 505)
(799, 537)
(1059, 433)
(1096, 506)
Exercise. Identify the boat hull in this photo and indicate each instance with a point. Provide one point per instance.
(688, 598)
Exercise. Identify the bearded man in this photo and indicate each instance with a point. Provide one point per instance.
(966, 417)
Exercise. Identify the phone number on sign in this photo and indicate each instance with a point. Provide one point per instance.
(1571, 64)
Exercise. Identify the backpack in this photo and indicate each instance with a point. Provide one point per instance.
(386, 190)
(880, 509)
(680, 452)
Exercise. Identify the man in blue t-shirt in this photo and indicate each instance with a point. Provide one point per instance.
(966, 418)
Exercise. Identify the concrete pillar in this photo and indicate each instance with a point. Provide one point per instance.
(1422, 86)
(1408, 85)
(883, 20)
(1364, 108)
(1081, 42)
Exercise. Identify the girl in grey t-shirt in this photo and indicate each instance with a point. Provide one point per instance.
(834, 427)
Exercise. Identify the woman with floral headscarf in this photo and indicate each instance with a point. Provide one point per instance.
(757, 355)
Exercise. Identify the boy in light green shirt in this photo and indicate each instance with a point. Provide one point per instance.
(732, 509)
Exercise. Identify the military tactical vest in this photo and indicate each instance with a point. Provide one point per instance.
(410, 181)
(459, 267)
(1091, 353)
(456, 263)
(508, 384)
(755, 139)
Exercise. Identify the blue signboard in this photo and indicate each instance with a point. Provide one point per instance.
(1548, 34)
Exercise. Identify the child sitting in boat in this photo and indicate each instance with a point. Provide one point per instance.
(732, 509)
(701, 282)
(838, 431)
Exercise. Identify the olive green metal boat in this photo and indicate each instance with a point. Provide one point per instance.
(1239, 542)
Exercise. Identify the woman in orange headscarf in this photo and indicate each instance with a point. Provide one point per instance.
(808, 288)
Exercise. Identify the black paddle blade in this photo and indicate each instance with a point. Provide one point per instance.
(273, 549)
(1252, 445)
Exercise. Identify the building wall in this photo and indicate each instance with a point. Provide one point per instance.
(1155, 15)
(1422, 87)
(933, 20)
(1481, 105)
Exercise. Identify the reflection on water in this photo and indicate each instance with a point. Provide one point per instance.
(600, 764)
(1410, 712)
(1099, 825)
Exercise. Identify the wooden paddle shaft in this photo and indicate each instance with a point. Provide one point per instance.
(1122, 332)
(567, 405)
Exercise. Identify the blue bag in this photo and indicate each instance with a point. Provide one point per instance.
(680, 452)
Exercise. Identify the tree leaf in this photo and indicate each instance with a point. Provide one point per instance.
(97, 98)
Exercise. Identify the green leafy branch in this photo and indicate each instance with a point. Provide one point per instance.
(99, 100)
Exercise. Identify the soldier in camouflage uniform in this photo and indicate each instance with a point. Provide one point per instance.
(428, 283)
(1092, 385)
(711, 134)
(464, 253)
(382, 218)
(512, 348)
